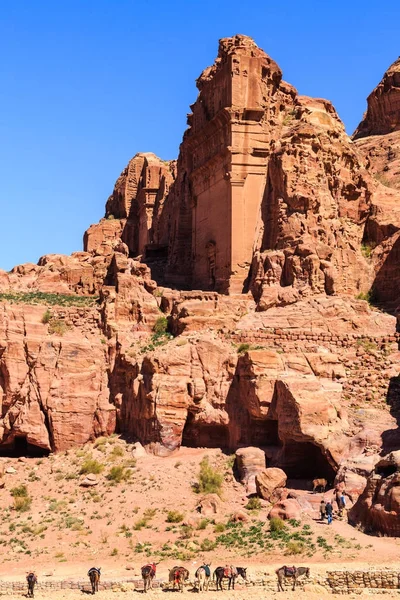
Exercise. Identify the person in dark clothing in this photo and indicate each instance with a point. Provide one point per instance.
(329, 512)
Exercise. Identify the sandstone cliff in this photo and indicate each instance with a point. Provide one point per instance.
(271, 203)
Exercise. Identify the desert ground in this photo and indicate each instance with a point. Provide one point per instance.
(145, 508)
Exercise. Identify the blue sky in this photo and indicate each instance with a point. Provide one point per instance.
(87, 84)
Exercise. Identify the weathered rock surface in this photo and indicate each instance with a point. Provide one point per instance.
(271, 203)
(287, 509)
(249, 462)
(383, 112)
(270, 484)
(378, 507)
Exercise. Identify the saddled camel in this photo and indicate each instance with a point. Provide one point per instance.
(148, 574)
(94, 576)
(319, 484)
(203, 575)
(291, 572)
(178, 576)
(229, 573)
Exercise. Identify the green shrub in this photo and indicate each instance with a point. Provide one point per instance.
(21, 491)
(174, 516)
(276, 524)
(57, 326)
(294, 547)
(210, 480)
(242, 348)
(46, 317)
(48, 298)
(207, 545)
(203, 524)
(254, 503)
(161, 326)
(22, 503)
(219, 528)
(117, 452)
(118, 474)
(91, 465)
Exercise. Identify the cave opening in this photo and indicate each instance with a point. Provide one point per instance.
(386, 471)
(204, 436)
(20, 447)
(264, 433)
(303, 462)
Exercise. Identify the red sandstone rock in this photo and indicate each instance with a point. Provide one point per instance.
(249, 462)
(287, 509)
(383, 113)
(270, 483)
(378, 507)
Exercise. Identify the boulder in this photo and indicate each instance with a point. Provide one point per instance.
(270, 483)
(287, 509)
(209, 505)
(89, 481)
(249, 462)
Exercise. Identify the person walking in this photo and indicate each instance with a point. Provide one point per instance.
(329, 512)
(342, 504)
(322, 510)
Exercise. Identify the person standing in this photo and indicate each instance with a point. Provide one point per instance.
(322, 510)
(329, 512)
(342, 504)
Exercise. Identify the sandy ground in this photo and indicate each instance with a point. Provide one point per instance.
(69, 529)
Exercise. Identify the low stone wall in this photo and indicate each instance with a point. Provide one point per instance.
(346, 582)
(277, 336)
(16, 587)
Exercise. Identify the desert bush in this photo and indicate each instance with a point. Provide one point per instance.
(254, 503)
(294, 547)
(219, 528)
(48, 298)
(46, 317)
(174, 516)
(242, 348)
(161, 326)
(276, 524)
(22, 504)
(90, 465)
(210, 480)
(117, 452)
(118, 474)
(203, 524)
(57, 326)
(21, 491)
(207, 545)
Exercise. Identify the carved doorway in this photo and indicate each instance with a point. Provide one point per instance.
(211, 263)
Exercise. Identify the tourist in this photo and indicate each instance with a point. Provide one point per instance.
(322, 509)
(329, 512)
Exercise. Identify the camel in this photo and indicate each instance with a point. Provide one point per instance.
(230, 573)
(178, 575)
(94, 576)
(148, 574)
(293, 572)
(203, 575)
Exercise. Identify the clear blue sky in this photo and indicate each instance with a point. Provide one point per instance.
(87, 84)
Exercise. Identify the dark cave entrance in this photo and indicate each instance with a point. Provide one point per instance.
(264, 433)
(204, 436)
(303, 461)
(20, 447)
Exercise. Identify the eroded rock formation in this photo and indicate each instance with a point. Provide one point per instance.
(273, 205)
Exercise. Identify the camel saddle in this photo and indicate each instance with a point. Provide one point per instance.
(152, 568)
(207, 570)
(290, 571)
